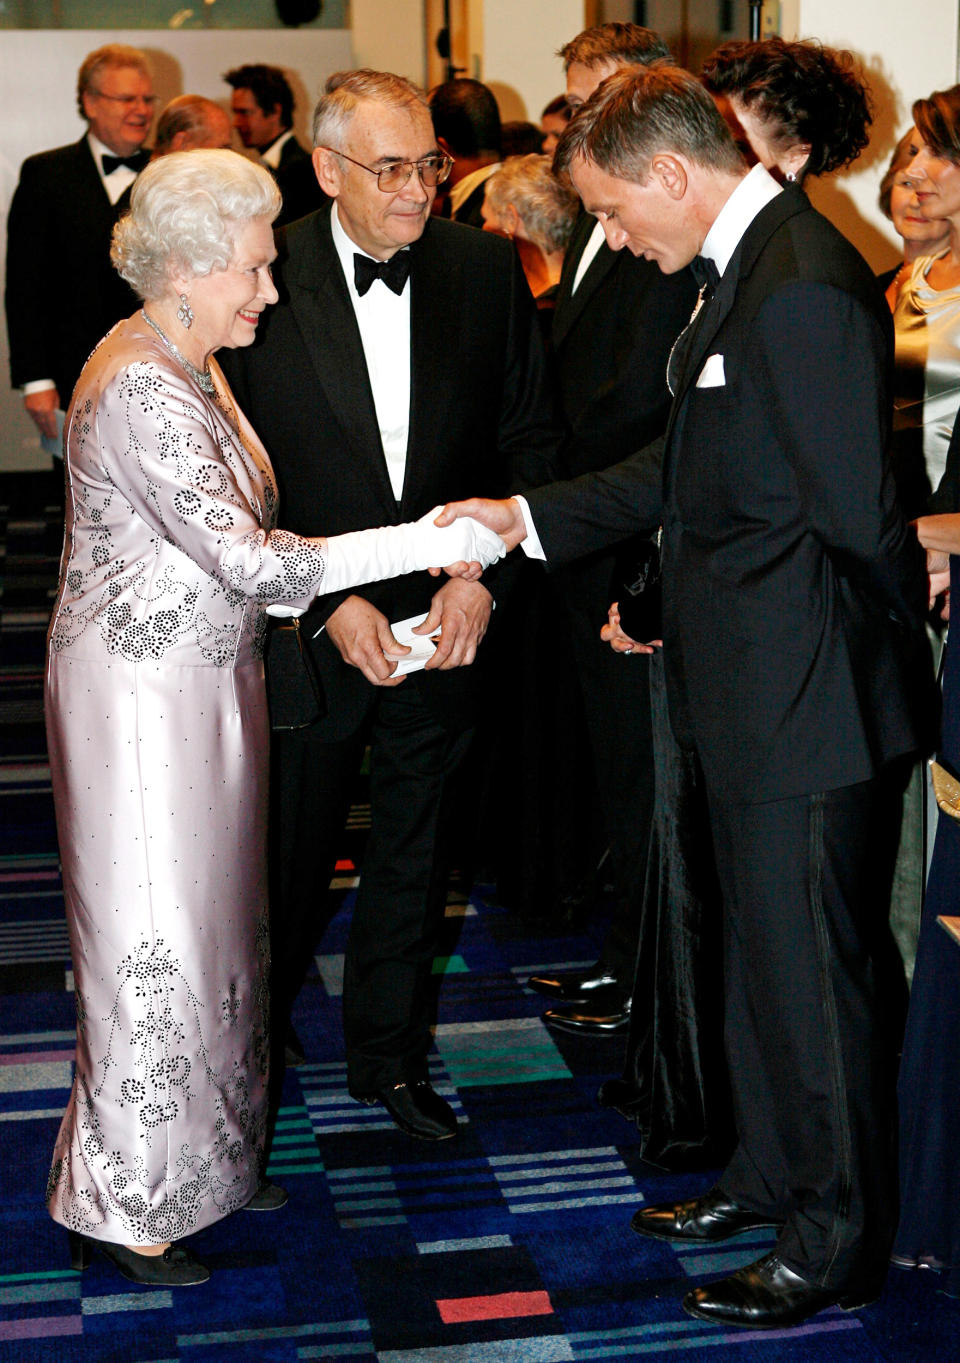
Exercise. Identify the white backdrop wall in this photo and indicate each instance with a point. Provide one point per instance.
(38, 73)
(519, 46)
(907, 54)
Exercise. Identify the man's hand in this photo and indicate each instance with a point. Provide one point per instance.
(364, 638)
(42, 407)
(938, 577)
(504, 517)
(612, 634)
(461, 611)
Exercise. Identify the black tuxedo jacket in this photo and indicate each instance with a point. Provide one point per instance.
(481, 418)
(794, 592)
(291, 153)
(611, 341)
(62, 293)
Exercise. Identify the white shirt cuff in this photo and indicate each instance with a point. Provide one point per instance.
(531, 546)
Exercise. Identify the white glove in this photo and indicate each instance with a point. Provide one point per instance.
(369, 555)
(282, 612)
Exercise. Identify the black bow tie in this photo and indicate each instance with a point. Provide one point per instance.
(394, 272)
(705, 272)
(136, 162)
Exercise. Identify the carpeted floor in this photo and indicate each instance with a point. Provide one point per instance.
(509, 1245)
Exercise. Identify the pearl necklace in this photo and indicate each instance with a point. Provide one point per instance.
(201, 377)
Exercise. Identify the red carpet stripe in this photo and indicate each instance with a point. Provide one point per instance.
(499, 1307)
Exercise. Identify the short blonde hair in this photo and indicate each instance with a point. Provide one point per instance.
(546, 206)
(185, 210)
(112, 57)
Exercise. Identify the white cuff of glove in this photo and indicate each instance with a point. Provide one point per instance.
(282, 612)
(392, 550)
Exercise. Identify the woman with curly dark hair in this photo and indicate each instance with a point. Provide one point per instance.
(803, 108)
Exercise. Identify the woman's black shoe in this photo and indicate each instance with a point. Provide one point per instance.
(175, 1267)
(269, 1197)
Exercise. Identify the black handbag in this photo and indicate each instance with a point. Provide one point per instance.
(294, 690)
(635, 585)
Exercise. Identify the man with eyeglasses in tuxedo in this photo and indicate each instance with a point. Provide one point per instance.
(62, 293)
(403, 362)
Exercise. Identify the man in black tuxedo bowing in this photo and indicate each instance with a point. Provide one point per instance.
(62, 293)
(402, 366)
(794, 596)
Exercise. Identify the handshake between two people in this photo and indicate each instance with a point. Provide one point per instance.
(447, 539)
(507, 520)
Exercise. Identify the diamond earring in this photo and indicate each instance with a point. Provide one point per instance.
(185, 312)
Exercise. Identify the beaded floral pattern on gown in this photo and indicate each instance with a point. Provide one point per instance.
(158, 737)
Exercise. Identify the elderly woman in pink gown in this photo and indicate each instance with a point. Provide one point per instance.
(158, 732)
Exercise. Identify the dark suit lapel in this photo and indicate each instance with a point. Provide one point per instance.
(768, 220)
(437, 295)
(324, 314)
(716, 310)
(569, 304)
(95, 200)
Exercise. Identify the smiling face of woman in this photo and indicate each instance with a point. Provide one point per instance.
(227, 304)
(937, 181)
(921, 235)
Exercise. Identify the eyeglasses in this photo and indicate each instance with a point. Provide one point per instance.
(432, 170)
(128, 101)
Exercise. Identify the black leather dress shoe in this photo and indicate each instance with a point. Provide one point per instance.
(574, 986)
(293, 1052)
(767, 1296)
(700, 1220)
(606, 1013)
(619, 1094)
(416, 1108)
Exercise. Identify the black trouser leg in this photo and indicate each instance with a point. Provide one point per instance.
(803, 1035)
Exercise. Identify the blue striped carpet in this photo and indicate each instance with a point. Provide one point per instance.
(510, 1245)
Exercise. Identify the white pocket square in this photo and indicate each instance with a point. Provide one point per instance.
(711, 375)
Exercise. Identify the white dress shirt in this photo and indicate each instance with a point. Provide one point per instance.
(118, 180)
(752, 194)
(271, 157)
(384, 321)
(594, 242)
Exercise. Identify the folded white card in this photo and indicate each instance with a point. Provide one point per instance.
(422, 647)
(712, 375)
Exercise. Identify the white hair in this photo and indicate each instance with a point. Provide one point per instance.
(185, 210)
(345, 91)
(546, 206)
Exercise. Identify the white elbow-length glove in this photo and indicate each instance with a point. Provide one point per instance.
(361, 556)
(370, 555)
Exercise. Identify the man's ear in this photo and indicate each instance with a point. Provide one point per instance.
(444, 146)
(670, 173)
(328, 170)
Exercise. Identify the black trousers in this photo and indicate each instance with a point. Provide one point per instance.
(805, 909)
(616, 700)
(401, 897)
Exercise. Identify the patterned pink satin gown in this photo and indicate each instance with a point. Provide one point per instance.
(158, 738)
